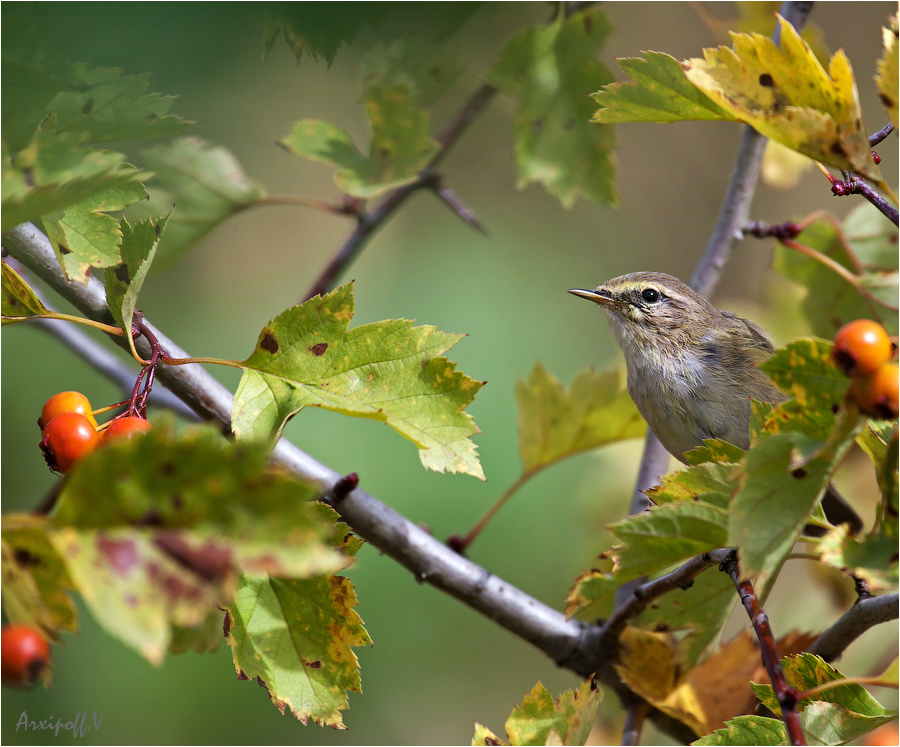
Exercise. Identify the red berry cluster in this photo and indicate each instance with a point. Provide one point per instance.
(24, 653)
(70, 430)
(863, 350)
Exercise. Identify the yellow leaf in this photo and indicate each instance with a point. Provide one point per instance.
(783, 167)
(886, 75)
(708, 695)
(786, 95)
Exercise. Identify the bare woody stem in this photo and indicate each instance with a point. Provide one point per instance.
(369, 221)
(881, 134)
(787, 696)
(866, 613)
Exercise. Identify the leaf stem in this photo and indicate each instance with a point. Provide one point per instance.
(840, 270)
(108, 328)
(213, 361)
(460, 544)
(825, 686)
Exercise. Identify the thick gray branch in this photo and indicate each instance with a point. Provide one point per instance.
(865, 614)
(428, 559)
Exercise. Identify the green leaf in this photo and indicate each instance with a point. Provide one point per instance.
(295, 637)
(651, 541)
(207, 185)
(779, 490)
(35, 581)
(833, 716)
(18, 298)
(320, 29)
(428, 70)
(201, 639)
(886, 77)
(880, 441)
(399, 150)
(540, 720)
(829, 723)
(805, 371)
(708, 482)
(552, 69)
(387, 371)
(54, 171)
(484, 737)
(701, 609)
(135, 589)
(180, 518)
(785, 94)
(201, 487)
(746, 730)
(866, 245)
(555, 423)
(660, 93)
(716, 451)
(84, 236)
(873, 559)
(123, 285)
(806, 671)
(99, 104)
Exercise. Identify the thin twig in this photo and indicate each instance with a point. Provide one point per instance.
(371, 220)
(866, 613)
(787, 696)
(634, 722)
(856, 186)
(881, 134)
(642, 595)
(455, 203)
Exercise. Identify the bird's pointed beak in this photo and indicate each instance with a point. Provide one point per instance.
(599, 295)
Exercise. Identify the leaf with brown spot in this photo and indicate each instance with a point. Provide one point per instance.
(541, 720)
(297, 635)
(215, 512)
(886, 77)
(35, 581)
(18, 299)
(388, 371)
(785, 94)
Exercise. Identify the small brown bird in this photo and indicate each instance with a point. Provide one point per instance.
(692, 368)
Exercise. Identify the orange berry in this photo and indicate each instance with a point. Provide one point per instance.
(24, 653)
(124, 428)
(66, 402)
(67, 438)
(885, 736)
(861, 347)
(877, 394)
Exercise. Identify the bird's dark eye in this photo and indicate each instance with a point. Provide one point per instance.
(650, 295)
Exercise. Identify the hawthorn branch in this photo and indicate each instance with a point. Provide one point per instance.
(856, 186)
(866, 613)
(369, 221)
(643, 595)
(572, 644)
(881, 134)
(787, 696)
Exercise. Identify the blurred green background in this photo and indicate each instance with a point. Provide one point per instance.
(436, 666)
